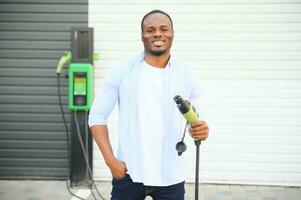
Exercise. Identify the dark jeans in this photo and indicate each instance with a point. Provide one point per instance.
(126, 189)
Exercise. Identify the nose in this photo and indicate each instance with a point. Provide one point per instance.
(157, 32)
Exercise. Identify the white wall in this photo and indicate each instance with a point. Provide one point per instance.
(247, 54)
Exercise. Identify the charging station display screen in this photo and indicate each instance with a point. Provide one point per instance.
(80, 85)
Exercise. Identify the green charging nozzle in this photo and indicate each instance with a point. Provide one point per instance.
(191, 115)
(187, 109)
(63, 61)
(95, 56)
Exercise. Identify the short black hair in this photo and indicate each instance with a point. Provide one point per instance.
(156, 11)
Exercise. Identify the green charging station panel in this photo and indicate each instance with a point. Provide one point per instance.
(80, 86)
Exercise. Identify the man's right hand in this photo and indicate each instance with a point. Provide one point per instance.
(118, 169)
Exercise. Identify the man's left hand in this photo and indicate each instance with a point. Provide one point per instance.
(199, 130)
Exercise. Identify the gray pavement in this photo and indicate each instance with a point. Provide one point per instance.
(57, 190)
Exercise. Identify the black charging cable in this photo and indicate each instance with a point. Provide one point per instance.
(185, 128)
(84, 151)
(181, 146)
(81, 142)
(67, 136)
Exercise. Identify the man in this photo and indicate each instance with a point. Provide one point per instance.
(150, 124)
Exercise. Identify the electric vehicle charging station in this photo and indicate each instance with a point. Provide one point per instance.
(80, 96)
(80, 100)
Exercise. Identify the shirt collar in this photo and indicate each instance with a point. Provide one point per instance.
(140, 58)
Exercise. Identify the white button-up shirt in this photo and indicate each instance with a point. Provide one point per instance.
(150, 124)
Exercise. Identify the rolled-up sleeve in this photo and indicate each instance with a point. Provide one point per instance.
(105, 98)
(103, 104)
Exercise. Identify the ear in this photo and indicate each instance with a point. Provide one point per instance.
(142, 36)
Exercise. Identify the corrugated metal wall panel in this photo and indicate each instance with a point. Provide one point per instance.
(33, 36)
(247, 56)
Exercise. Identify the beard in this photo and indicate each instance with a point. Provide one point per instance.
(157, 53)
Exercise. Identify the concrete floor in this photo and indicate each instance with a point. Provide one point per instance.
(57, 190)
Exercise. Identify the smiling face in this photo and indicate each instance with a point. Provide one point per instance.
(157, 34)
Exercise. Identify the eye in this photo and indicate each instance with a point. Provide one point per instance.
(164, 29)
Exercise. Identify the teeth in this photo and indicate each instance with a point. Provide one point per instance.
(158, 42)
